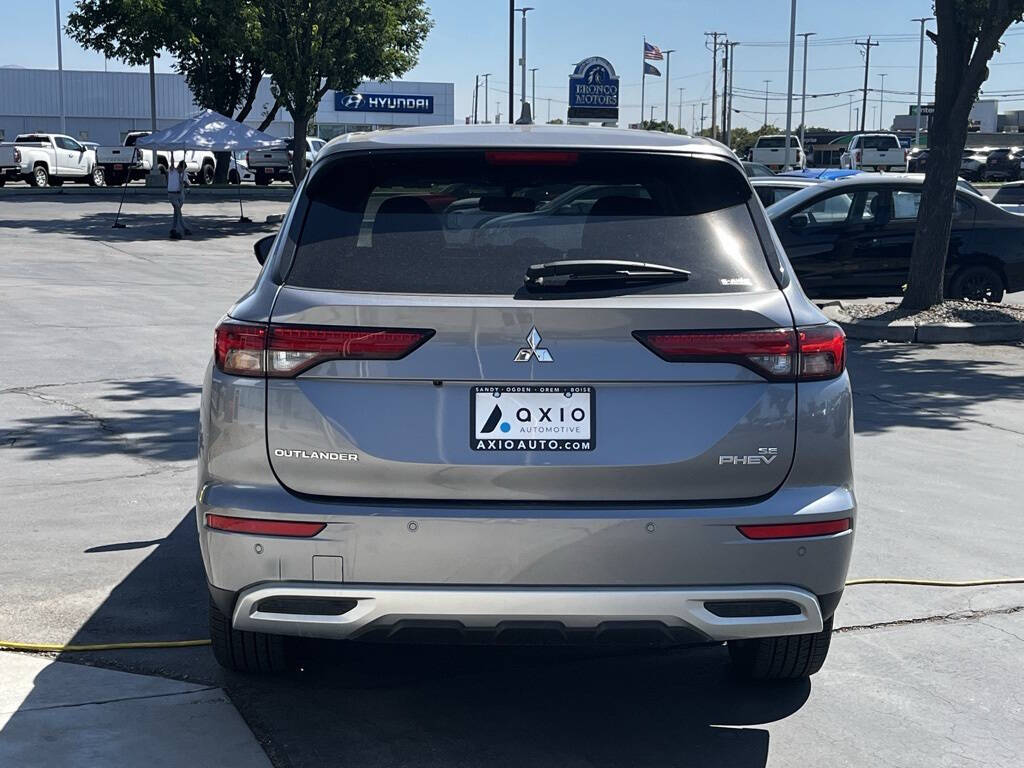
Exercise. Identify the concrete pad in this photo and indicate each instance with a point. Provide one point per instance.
(59, 714)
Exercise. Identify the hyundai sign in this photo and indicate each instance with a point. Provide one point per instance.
(394, 103)
(594, 91)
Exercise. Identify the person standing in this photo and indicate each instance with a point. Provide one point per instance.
(177, 180)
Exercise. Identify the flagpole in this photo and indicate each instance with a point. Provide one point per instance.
(643, 77)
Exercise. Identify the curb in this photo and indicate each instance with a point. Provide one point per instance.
(194, 191)
(907, 331)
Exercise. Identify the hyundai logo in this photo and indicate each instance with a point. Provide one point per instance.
(353, 100)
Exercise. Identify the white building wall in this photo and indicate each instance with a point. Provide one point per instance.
(103, 106)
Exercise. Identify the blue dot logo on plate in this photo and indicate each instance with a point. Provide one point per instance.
(505, 426)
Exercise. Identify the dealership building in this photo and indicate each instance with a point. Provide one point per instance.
(104, 106)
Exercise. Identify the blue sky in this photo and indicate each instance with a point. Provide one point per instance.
(470, 37)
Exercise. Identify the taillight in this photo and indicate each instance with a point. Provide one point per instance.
(810, 353)
(238, 349)
(287, 350)
(248, 162)
(795, 530)
(293, 349)
(17, 155)
(263, 527)
(822, 352)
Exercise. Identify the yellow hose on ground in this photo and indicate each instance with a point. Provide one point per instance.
(57, 648)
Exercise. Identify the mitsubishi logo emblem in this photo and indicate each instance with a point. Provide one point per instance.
(534, 351)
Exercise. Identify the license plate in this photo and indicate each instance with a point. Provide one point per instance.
(532, 417)
(118, 166)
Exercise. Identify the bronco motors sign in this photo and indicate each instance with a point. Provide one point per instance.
(383, 102)
(594, 91)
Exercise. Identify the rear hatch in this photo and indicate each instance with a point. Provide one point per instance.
(412, 362)
(882, 151)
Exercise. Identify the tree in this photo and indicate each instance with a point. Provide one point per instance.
(556, 121)
(743, 139)
(968, 34)
(313, 46)
(659, 125)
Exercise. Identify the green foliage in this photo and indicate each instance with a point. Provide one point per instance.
(659, 125)
(128, 30)
(556, 121)
(312, 46)
(742, 139)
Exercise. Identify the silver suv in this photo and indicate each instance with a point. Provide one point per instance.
(526, 384)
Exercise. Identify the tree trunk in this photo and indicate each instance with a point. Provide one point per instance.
(270, 117)
(299, 147)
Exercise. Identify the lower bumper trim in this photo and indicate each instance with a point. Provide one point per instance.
(565, 610)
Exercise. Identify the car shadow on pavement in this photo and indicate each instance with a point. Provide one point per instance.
(446, 706)
(144, 423)
(929, 387)
(150, 226)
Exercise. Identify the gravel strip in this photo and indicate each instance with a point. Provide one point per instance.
(947, 312)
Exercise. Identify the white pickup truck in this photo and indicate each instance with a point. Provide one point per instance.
(128, 162)
(875, 152)
(48, 160)
(771, 151)
(276, 164)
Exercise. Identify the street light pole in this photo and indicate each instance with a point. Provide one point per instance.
(522, 66)
(60, 75)
(920, 73)
(476, 98)
(487, 113)
(668, 61)
(803, 98)
(533, 90)
(789, 93)
(680, 119)
(881, 101)
(766, 101)
(511, 48)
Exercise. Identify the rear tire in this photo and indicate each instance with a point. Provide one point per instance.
(250, 652)
(207, 174)
(781, 658)
(978, 283)
(98, 177)
(39, 177)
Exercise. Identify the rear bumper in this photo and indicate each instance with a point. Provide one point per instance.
(342, 611)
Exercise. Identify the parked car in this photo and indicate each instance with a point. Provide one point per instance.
(276, 164)
(853, 238)
(972, 163)
(1010, 197)
(753, 170)
(406, 440)
(874, 152)
(771, 190)
(1003, 164)
(820, 174)
(771, 151)
(917, 159)
(238, 171)
(49, 159)
(128, 162)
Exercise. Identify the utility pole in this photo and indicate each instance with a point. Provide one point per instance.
(732, 77)
(714, 75)
(693, 119)
(803, 98)
(533, 90)
(511, 48)
(522, 66)
(549, 109)
(702, 105)
(725, 93)
(651, 121)
(856, 116)
(849, 116)
(789, 92)
(920, 72)
(680, 118)
(668, 60)
(476, 99)
(487, 113)
(868, 45)
(60, 76)
(766, 101)
(881, 102)
(497, 111)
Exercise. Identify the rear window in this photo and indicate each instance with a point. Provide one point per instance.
(471, 222)
(880, 142)
(32, 138)
(776, 142)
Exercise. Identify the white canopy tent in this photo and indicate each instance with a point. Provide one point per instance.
(213, 132)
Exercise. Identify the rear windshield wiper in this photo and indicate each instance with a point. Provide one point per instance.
(555, 274)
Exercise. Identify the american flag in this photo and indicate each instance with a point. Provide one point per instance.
(652, 52)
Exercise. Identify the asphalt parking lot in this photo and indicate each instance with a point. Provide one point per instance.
(105, 337)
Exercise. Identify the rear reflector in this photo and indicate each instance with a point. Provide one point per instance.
(810, 353)
(287, 350)
(529, 157)
(795, 530)
(264, 527)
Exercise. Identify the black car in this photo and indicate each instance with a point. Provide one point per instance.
(852, 238)
(1003, 164)
(917, 160)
